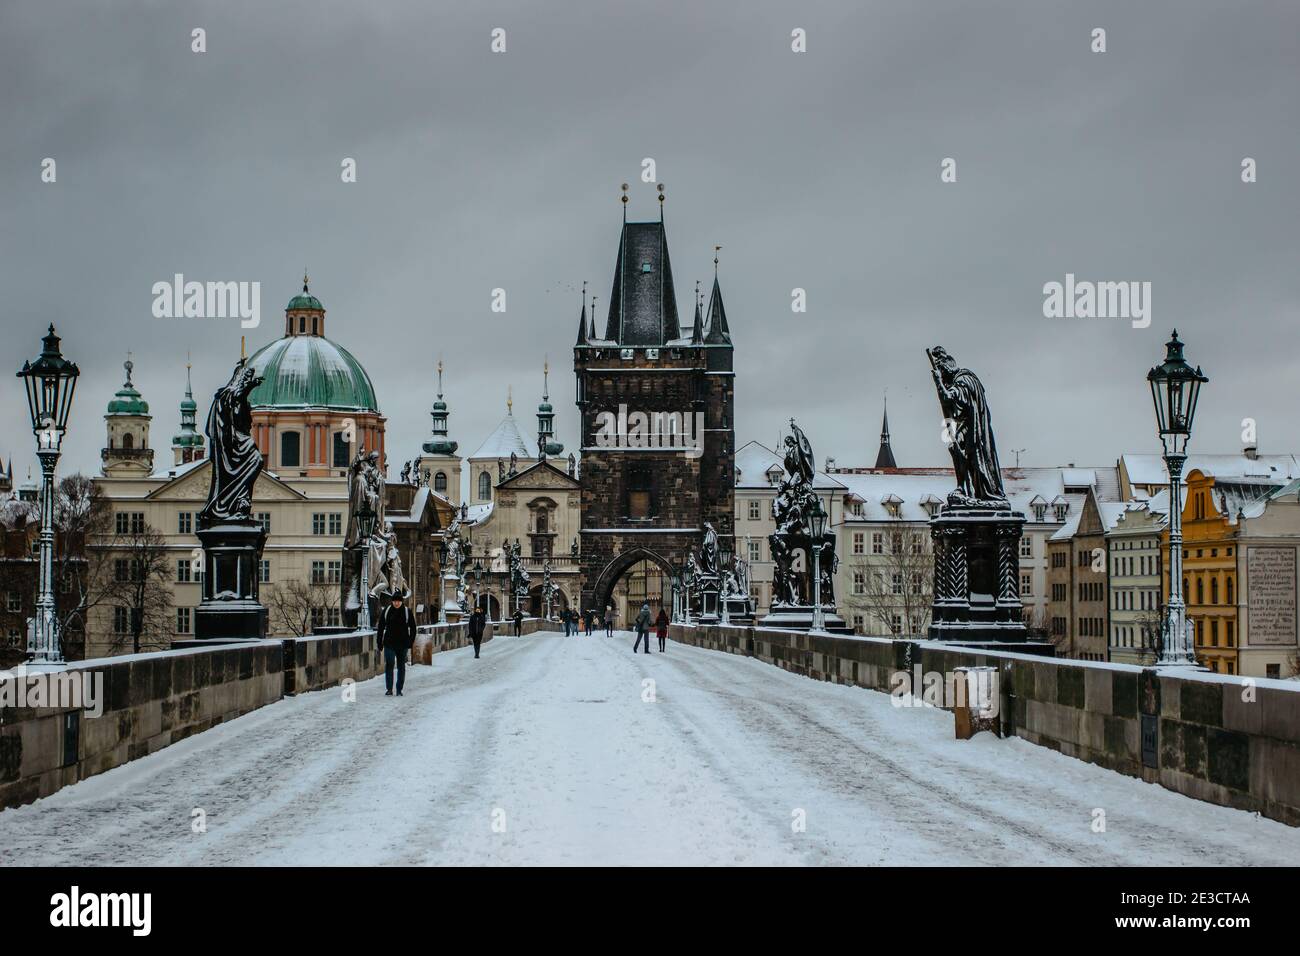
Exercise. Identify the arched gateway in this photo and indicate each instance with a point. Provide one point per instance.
(656, 406)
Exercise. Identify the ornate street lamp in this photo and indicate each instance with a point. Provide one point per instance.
(724, 565)
(817, 525)
(1175, 387)
(366, 518)
(50, 382)
(442, 573)
(677, 596)
(688, 580)
(476, 572)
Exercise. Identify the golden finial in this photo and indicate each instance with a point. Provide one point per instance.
(440, 376)
(243, 353)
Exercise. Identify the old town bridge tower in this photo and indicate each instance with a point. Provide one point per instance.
(656, 403)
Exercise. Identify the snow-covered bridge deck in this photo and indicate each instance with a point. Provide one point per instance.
(550, 736)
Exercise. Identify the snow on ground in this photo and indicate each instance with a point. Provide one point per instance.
(544, 752)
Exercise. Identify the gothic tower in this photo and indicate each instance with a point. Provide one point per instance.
(657, 430)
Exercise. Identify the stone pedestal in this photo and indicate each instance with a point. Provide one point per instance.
(739, 610)
(799, 617)
(232, 555)
(709, 608)
(977, 575)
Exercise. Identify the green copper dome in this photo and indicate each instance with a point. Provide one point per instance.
(310, 371)
(127, 401)
(304, 302)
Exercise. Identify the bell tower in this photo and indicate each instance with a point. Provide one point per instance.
(126, 453)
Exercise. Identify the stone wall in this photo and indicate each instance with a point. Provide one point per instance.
(315, 662)
(149, 701)
(1226, 740)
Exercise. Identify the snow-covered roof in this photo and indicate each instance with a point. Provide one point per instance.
(1140, 507)
(504, 440)
(477, 514)
(419, 502)
(175, 471)
(754, 460)
(1069, 528)
(1273, 469)
(1110, 512)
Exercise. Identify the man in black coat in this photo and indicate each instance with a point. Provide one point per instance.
(477, 622)
(396, 634)
(519, 622)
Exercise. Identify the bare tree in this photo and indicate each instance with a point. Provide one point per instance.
(894, 588)
(296, 606)
(141, 593)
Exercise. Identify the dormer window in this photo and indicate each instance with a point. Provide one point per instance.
(931, 504)
(893, 504)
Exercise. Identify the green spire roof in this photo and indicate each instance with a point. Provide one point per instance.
(127, 401)
(189, 436)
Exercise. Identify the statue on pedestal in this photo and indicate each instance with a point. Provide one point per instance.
(968, 430)
(236, 460)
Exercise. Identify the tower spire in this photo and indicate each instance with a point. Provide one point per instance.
(697, 331)
(885, 457)
(582, 317)
(440, 444)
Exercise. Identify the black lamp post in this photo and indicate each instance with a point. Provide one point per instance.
(817, 525)
(1175, 388)
(724, 565)
(477, 573)
(50, 382)
(366, 518)
(442, 576)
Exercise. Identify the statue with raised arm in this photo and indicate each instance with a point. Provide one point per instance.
(968, 430)
(236, 460)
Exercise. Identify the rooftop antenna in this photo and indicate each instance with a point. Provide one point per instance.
(1016, 452)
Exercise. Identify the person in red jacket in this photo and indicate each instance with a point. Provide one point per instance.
(661, 629)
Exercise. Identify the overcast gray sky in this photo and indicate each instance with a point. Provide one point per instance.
(817, 170)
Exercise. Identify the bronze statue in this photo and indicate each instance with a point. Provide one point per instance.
(236, 460)
(969, 430)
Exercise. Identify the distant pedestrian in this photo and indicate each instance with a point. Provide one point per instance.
(661, 628)
(396, 636)
(519, 622)
(567, 617)
(642, 625)
(609, 621)
(477, 624)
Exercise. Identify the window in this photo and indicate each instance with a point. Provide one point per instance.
(290, 449)
(896, 584)
(755, 550)
(896, 542)
(318, 522)
(336, 523)
(318, 572)
(1026, 584)
(183, 572)
(264, 519)
(334, 570)
(184, 522)
(755, 510)
(1228, 589)
(182, 620)
(858, 546)
(341, 450)
(638, 493)
(895, 623)
(877, 542)
(14, 602)
(1026, 547)
(1214, 590)
(485, 486)
(859, 583)
(129, 522)
(440, 482)
(264, 573)
(121, 620)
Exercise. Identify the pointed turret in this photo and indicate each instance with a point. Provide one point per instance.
(697, 330)
(440, 444)
(718, 331)
(885, 457)
(187, 444)
(643, 302)
(546, 420)
(582, 318)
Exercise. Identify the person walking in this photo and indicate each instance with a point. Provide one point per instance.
(477, 622)
(661, 628)
(642, 626)
(609, 620)
(519, 622)
(396, 636)
(569, 629)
